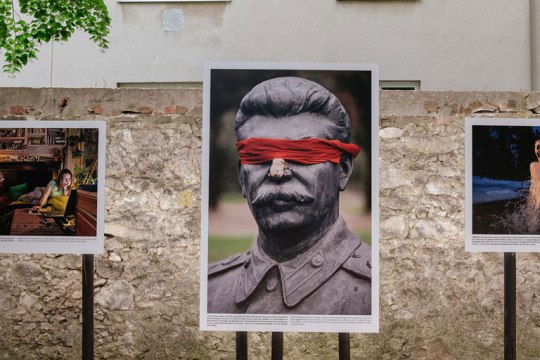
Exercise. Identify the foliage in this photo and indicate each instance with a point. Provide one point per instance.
(84, 177)
(77, 154)
(220, 247)
(34, 22)
(73, 141)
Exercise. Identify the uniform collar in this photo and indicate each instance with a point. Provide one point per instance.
(305, 273)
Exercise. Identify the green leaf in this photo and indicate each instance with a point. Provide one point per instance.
(46, 20)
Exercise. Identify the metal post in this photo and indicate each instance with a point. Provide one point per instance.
(344, 346)
(277, 346)
(87, 307)
(510, 306)
(241, 345)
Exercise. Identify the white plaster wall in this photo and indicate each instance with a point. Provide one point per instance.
(447, 45)
(535, 43)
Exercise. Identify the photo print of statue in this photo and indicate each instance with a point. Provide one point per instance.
(288, 199)
(503, 180)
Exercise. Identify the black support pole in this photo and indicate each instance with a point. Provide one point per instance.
(277, 346)
(509, 306)
(344, 346)
(241, 345)
(87, 307)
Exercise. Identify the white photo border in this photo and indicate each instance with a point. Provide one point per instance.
(281, 322)
(492, 242)
(63, 244)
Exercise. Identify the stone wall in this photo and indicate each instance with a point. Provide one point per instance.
(437, 301)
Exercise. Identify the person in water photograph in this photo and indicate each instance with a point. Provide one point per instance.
(505, 179)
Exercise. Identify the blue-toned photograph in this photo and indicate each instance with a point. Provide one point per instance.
(506, 179)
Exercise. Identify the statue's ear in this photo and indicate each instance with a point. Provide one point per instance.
(241, 178)
(346, 167)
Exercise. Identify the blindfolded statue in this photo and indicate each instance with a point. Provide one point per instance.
(293, 141)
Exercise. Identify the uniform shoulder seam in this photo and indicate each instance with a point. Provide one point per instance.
(225, 264)
(359, 263)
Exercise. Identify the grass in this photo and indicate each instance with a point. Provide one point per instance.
(365, 235)
(232, 197)
(220, 247)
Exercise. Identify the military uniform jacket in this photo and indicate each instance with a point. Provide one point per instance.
(333, 278)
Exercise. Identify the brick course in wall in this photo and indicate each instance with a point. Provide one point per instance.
(436, 301)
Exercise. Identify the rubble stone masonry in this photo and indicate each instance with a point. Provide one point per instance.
(436, 300)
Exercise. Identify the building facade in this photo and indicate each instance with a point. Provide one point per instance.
(424, 44)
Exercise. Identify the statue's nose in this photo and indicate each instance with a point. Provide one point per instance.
(279, 169)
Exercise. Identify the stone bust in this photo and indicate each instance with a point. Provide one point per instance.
(295, 157)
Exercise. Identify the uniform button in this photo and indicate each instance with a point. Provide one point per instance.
(317, 260)
(246, 262)
(357, 254)
(271, 284)
(369, 264)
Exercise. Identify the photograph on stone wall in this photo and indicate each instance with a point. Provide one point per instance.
(51, 186)
(502, 184)
(289, 198)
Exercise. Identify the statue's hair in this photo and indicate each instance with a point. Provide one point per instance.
(288, 96)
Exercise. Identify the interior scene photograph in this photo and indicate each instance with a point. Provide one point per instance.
(48, 181)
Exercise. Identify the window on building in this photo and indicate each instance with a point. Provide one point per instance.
(161, 85)
(399, 85)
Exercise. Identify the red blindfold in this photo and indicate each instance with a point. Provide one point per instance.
(306, 151)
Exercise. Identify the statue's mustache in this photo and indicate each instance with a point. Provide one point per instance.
(268, 194)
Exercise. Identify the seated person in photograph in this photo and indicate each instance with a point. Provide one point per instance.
(534, 190)
(295, 157)
(56, 193)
